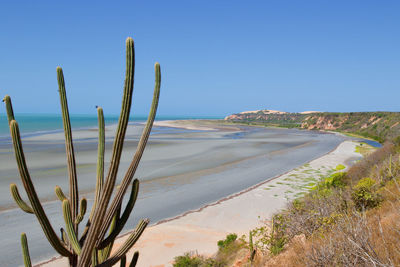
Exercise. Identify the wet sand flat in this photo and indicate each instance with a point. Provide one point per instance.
(181, 170)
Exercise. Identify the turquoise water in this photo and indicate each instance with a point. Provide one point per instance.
(44, 123)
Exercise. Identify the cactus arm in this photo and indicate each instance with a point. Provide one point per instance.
(60, 194)
(134, 259)
(69, 147)
(125, 215)
(100, 170)
(100, 161)
(123, 261)
(25, 251)
(10, 112)
(70, 227)
(82, 211)
(95, 259)
(100, 211)
(64, 237)
(101, 148)
(138, 154)
(85, 232)
(127, 245)
(30, 190)
(21, 203)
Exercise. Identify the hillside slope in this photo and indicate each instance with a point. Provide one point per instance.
(380, 126)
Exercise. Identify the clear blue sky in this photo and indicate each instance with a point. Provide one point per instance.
(217, 57)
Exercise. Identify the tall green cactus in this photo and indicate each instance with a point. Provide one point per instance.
(93, 247)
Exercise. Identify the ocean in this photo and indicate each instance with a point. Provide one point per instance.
(37, 124)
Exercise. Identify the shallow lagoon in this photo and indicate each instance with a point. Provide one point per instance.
(181, 170)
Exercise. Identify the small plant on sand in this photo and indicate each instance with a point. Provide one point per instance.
(340, 167)
(93, 247)
(277, 238)
(252, 249)
(272, 238)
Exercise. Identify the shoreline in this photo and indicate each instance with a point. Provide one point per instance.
(227, 198)
(189, 219)
(182, 225)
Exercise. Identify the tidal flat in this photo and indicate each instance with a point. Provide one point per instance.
(182, 169)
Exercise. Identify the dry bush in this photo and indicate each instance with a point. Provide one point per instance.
(315, 211)
(387, 169)
(362, 238)
(363, 168)
(292, 256)
(348, 244)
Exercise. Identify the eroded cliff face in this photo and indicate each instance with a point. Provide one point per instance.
(377, 125)
(321, 122)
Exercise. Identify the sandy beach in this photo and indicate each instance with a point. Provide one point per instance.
(199, 230)
(186, 169)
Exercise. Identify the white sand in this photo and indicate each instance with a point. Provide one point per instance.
(200, 230)
(185, 124)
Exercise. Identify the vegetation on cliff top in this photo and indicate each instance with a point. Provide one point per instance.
(380, 126)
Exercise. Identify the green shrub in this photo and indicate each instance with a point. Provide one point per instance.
(340, 167)
(188, 260)
(193, 260)
(365, 194)
(227, 251)
(229, 240)
(335, 180)
(396, 140)
(298, 204)
(277, 245)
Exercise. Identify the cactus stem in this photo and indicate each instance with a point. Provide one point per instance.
(125, 215)
(25, 251)
(93, 233)
(92, 249)
(127, 245)
(31, 192)
(70, 227)
(134, 260)
(123, 261)
(69, 148)
(137, 156)
(100, 160)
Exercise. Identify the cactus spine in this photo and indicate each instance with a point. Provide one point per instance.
(92, 248)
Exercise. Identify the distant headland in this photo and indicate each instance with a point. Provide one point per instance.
(380, 126)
